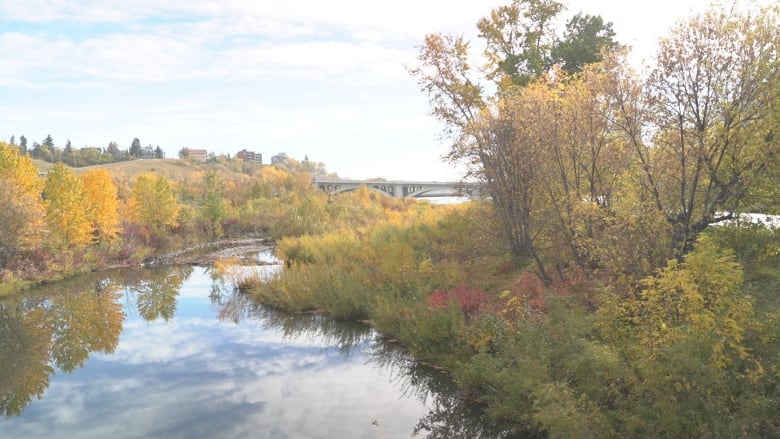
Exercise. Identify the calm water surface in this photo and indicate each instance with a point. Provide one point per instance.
(176, 353)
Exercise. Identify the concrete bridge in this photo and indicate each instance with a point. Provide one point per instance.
(402, 189)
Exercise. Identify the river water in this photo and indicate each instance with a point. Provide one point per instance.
(177, 353)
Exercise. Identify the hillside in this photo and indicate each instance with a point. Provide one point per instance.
(175, 169)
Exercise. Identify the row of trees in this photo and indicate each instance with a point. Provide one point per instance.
(580, 154)
(87, 156)
(63, 212)
(68, 220)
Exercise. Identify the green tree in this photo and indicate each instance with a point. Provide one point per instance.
(584, 41)
(519, 38)
(153, 204)
(213, 207)
(135, 148)
(48, 142)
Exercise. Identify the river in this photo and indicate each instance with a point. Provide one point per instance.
(178, 353)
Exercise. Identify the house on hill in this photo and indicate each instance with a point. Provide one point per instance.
(147, 152)
(250, 156)
(198, 154)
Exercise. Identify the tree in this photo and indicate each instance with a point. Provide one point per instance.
(114, 151)
(23, 144)
(584, 40)
(65, 208)
(21, 206)
(135, 148)
(184, 153)
(48, 142)
(213, 207)
(159, 153)
(102, 203)
(713, 100)
(153, 204)
(488, 133)
(519, 39)
(12, 141)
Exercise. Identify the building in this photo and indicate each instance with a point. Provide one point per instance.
(250, 156)
(279, 159)
(147, 152)
(198, 154)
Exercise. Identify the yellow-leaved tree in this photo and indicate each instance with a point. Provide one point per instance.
(65, 209)
(102, 203)
(21, 206)
(153, 204)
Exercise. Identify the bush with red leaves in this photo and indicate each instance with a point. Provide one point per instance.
(468, 299)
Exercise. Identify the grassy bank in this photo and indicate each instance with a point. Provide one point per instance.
(691, 350)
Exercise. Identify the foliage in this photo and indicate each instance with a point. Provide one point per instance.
(466, 298)
(65, 209)
(153, 204)
(102, 203)
(21, 207)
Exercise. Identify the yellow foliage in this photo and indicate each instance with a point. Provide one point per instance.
(21, 206)
(102, 203)
(65, 212)
(153, 203)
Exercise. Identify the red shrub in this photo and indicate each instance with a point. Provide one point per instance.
(468, 299)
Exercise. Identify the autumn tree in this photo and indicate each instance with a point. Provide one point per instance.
(711, 98)
(484, 130)
(153, 204)
(65, 208)
(21, 205)
(102, 203)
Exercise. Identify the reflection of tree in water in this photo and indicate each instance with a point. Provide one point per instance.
(155, 291)
(235, 306)
(61, 325)
(450, 416)
(24, 357)
(231, 305)
(344, 335)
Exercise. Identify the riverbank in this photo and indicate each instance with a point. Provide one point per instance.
(210, 252)
(584, 357)
(203, 254)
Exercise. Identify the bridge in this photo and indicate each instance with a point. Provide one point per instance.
(403, 189)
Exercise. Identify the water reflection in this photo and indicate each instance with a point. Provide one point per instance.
(60, 327)
(146, 345)
(154, 292)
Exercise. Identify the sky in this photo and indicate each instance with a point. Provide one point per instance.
(323, 80)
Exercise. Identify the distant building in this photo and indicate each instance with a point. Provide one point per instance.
(250, 156)
(147, 152)
(198, 154)
(279, 159)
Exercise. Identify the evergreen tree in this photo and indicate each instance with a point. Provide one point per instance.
(48, 142)
(135, 148)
